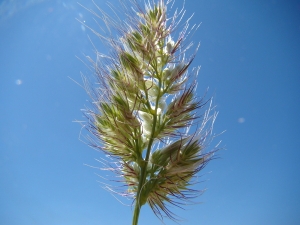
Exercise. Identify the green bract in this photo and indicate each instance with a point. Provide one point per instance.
(145, 108)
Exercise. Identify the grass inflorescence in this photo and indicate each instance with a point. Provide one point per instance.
(146, 114)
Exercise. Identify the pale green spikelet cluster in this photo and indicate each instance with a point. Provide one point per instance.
(146, 114)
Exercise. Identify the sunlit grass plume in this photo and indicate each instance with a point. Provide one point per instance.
(146, 115)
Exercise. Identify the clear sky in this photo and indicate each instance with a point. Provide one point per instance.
(250, 60)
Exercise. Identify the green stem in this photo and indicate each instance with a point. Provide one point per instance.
(143, 176)
(136, 214)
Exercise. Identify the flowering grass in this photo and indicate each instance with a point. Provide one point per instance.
(146, 114)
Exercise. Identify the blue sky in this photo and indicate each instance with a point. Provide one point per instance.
(249, 59)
